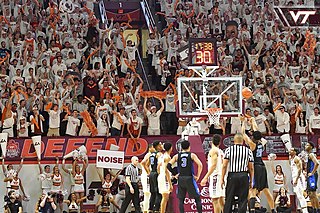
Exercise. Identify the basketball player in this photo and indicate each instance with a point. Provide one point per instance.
(297, 178)
(155, 199)
(187, 179)
(256, 145)
(145, 179)
(214, 174)
(164, 178)
(312, 176)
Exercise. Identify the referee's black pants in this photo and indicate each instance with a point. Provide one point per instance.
(237, 185)
(129, 196)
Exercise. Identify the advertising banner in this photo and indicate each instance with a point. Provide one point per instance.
(60, 146)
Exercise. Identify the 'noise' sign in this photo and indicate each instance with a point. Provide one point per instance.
(110, 159)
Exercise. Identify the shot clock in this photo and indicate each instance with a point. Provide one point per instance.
(202, 51)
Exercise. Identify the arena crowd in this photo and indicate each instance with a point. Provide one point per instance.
(64, 73)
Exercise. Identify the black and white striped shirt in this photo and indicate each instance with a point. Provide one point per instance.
(133, 173)
(239, 157)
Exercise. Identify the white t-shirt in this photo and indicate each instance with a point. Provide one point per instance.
(297, 87)
(260, 119)
(131, 52)
(314, 122)
(154, 120)
(54, 119)
(102, 127)
(235, 125)
(283, 121)
(46, 181)
(73, 123)
(135, 122)
(116, 123)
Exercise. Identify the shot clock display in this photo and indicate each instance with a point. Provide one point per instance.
(202, 51)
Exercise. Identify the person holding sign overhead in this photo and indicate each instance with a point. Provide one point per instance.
(132, 186)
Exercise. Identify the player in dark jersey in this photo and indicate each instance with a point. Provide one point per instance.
(312, 176)
(155, 198)
(187, 179)
(260, 183)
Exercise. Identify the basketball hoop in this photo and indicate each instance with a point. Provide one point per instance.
(214, 115)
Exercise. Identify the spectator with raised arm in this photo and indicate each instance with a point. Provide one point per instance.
(153, 116)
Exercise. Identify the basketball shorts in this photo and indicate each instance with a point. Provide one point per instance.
(187, 184)
(260, 181)
(163, 185)
(215, 189)
(153, 180)
(312, 182)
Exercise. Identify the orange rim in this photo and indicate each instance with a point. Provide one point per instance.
(214, 110)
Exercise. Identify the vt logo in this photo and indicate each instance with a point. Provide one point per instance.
(304, 14)
(298, 16)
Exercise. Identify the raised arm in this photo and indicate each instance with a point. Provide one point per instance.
(84, 167)
(20, 165)
(100, 175)
(274, 172)
(74, 164)
(162, 105)
(39, 165)
(57, 162)
(64, 166)
(3, 166)
(246, 138)
(145, 104)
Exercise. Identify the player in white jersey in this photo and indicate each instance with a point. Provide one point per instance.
(214, 175)
(78, 176)
(45, 178)
(145, 181)
(298, 178)
(164, 178)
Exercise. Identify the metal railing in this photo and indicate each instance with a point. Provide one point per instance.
(148, 15)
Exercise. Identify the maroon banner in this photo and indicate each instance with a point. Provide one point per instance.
(59, 146)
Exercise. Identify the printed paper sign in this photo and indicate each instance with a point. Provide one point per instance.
(110, 159)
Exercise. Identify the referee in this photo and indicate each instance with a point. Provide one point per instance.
(240, 161)
(132, 188)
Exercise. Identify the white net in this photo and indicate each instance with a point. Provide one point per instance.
(214, 115)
